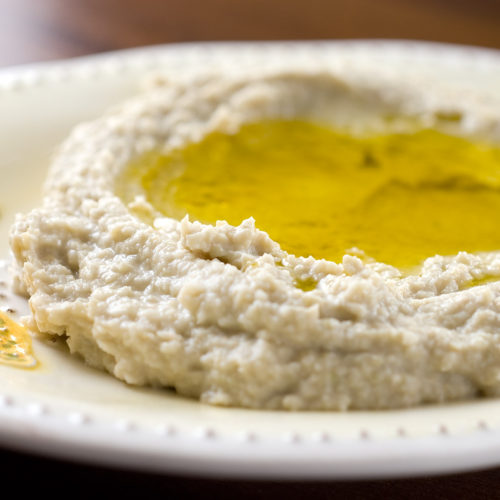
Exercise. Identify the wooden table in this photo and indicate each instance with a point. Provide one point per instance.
(35, 30)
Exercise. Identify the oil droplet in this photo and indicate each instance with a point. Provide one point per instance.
(15, 344)
(397, 197)
(489, 278)
(307, 284)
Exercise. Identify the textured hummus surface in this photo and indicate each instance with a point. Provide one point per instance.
(214, 311)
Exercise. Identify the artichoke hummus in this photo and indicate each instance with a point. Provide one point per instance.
(221, 311)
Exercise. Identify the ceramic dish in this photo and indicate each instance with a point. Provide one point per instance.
(68, 410)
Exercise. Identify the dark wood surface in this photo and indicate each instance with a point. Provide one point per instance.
(35, 476)
(32, 30)
(36, 30)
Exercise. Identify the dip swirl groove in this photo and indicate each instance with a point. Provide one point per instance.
(207, 310)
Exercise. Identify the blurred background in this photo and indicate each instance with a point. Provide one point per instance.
(35, 30)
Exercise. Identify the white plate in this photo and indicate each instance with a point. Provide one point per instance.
(66, 409)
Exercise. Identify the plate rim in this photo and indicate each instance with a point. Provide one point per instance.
(37, 428)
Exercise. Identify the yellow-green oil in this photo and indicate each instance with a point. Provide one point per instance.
(398, 197)
(15, 344)
(489, 278)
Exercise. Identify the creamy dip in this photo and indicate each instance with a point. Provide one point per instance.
(127, 256)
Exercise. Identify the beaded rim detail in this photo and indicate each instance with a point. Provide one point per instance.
(41, 416)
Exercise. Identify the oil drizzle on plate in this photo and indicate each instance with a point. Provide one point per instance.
(15, 344)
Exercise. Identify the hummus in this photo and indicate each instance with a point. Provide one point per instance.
(221, 312)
